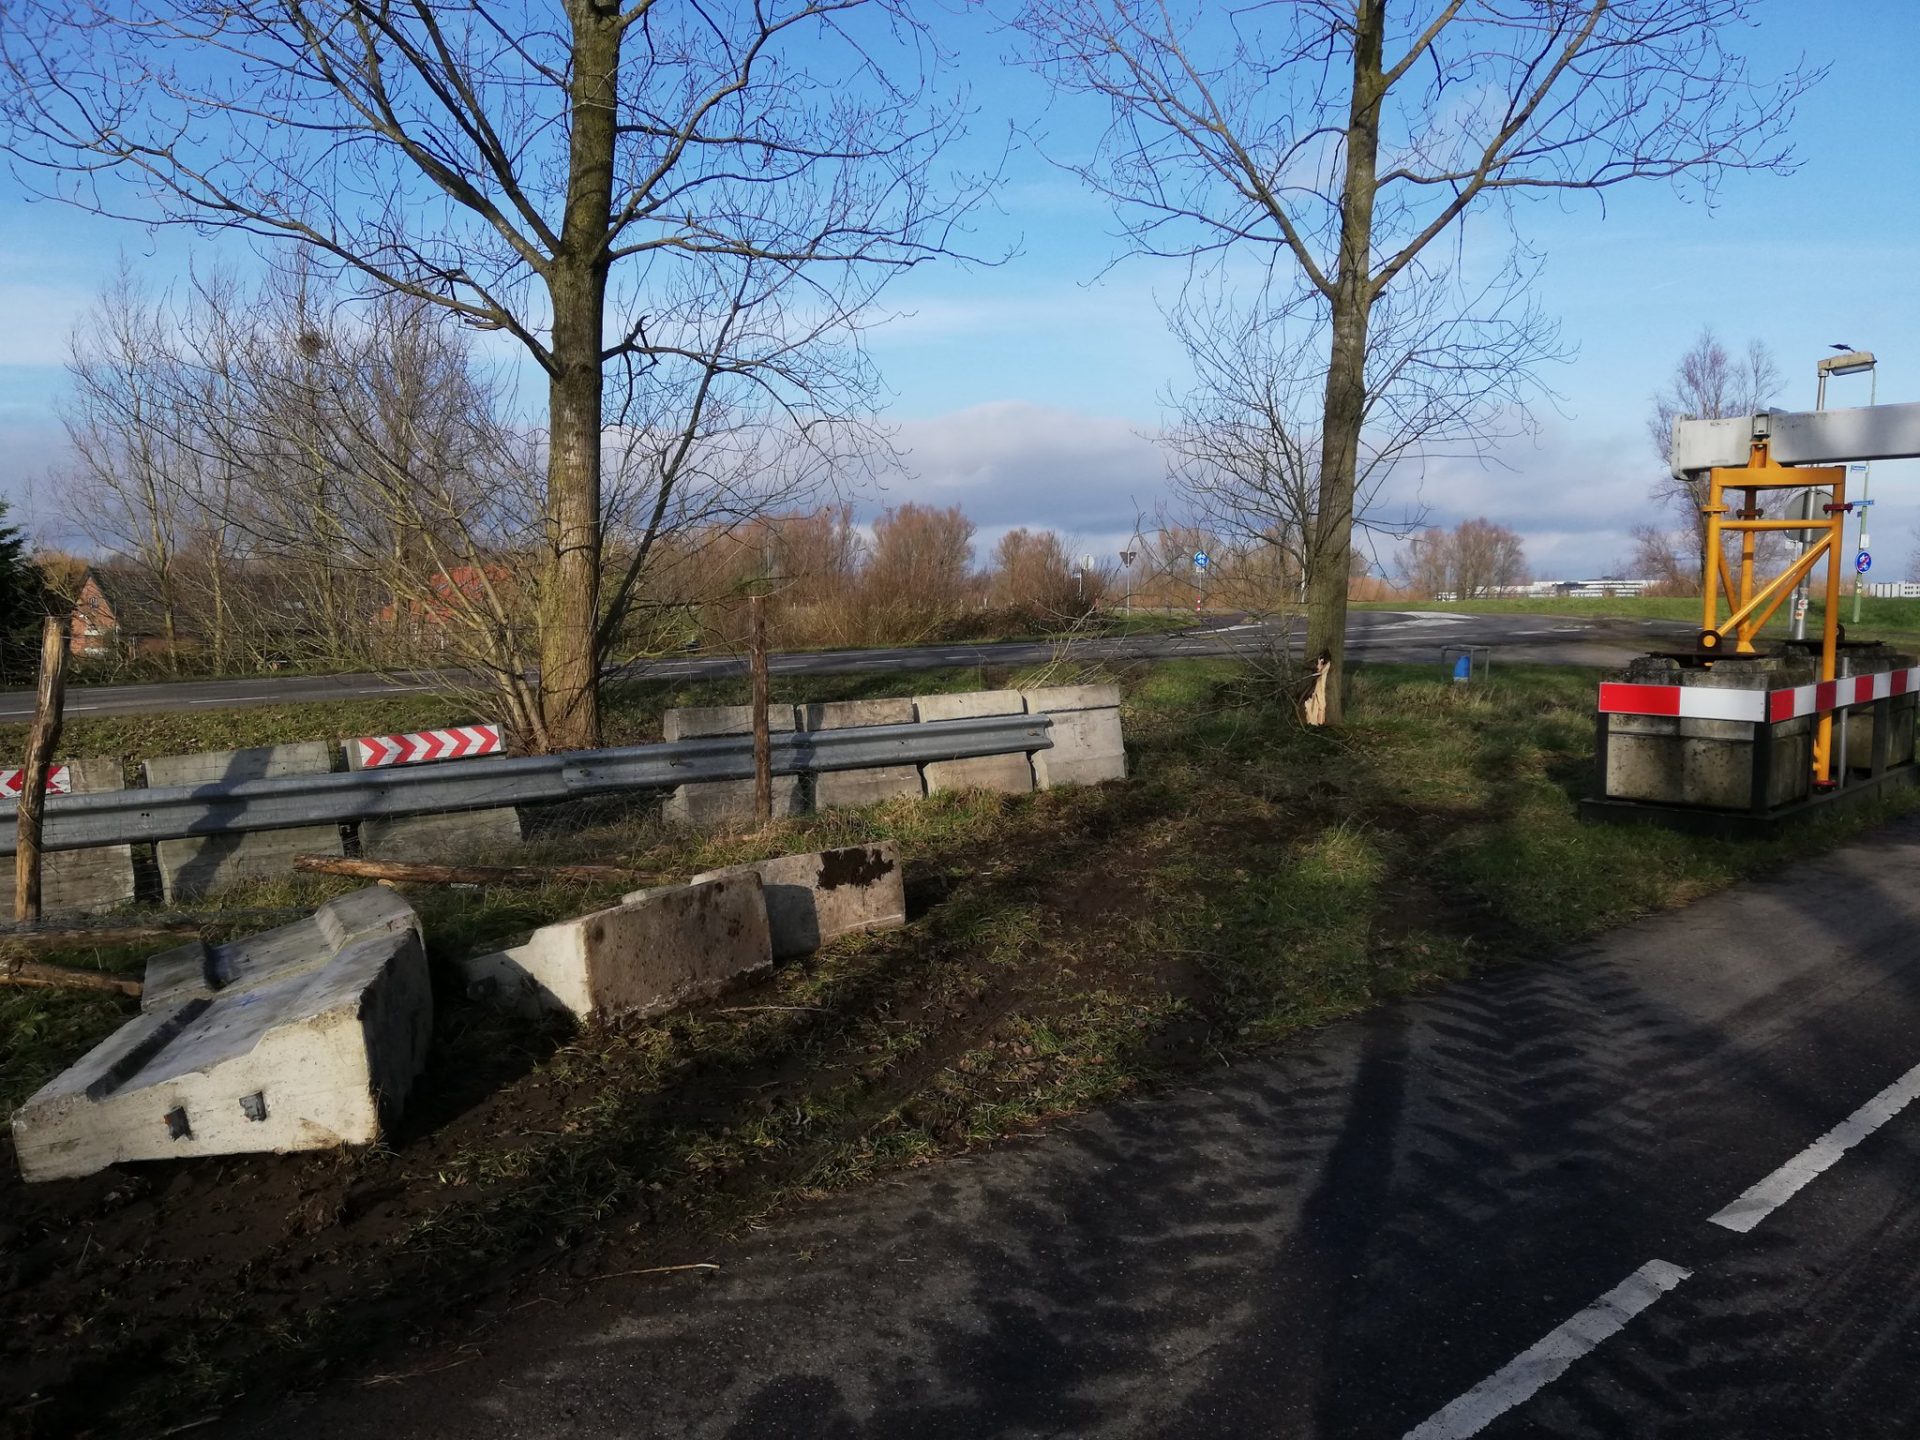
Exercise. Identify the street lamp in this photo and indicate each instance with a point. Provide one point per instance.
(1851, 362)
(1848, 361)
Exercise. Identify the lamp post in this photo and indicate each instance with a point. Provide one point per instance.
(1848, 362)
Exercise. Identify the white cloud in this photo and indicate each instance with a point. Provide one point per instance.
(1010, 463)
(1573, 495)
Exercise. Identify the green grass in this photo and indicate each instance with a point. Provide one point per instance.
(1885, 618)
(1625, 607)
(1252, 879)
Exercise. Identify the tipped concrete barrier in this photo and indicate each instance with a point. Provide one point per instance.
(726, 802)
(1087, 745)
(74, 882)
(1012, 774)
(295, 1039)
(194, 867)
(861, 787)
(657, 950)
(817, 897)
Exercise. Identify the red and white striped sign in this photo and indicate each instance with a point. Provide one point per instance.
(1702, 702)
(461, 742)
(59, 782)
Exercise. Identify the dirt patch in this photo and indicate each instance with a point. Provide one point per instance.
(528, 1157)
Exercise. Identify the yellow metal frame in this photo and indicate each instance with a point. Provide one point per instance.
(1748, 608)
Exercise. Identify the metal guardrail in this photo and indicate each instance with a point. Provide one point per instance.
(120, 817)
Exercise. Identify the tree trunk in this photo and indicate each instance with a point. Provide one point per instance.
(1346, 393)
(577, 282)
(48, 712)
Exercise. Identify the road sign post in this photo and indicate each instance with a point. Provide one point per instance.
(1861, 506)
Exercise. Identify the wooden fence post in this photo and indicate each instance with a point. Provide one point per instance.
(757, 667)
(47, 716)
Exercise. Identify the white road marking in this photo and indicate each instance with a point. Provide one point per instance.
(1549, 1358)
(1423, 617)
(1779, 1187)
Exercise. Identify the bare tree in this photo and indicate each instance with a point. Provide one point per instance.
(919, 573)
(1488, 559)
(1339, 141)
(1661, 558)
(733, 180)
(1447, 374)
(1034, 575)
(1475, 560)
(1708, 383)
(124, 431)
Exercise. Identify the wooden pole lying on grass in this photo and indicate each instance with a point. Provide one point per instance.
(47, 716)
(421, 872)
(33, 972)
(66, 936)
(757, 668)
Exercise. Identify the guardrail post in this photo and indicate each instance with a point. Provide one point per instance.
(1602, 734)
(757, 665)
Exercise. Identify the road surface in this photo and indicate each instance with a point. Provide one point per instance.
(1372, 635)
(1665, 1186)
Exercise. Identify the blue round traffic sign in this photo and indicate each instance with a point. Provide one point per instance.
(1862, 563)
(1199, 559)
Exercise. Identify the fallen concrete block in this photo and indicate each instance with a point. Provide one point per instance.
(1087, 744)
(74, 882)
(655, 951)
(1012, 774)
(194, 867)
(716, 803)
(876, 783)
(295, 1039)
(814, 898)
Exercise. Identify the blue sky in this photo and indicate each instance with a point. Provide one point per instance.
(1029, 391)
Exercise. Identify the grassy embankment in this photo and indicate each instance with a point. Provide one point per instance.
(1253, 878)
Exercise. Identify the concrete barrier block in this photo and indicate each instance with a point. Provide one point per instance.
(716, 803)
(1012, 774)
(968, 705)
(694, 722)
(1656, 759)
(814, 898)
(440, 837)
(1087, 749)
(876, 783)
(657, 950)
(194, 867)
(75, 882)
(296, 1039)
(435, 837)
(1052, 699)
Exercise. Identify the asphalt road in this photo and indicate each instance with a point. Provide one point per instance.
(1511, 1208)
(1372, 634)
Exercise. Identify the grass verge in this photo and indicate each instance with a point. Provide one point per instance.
(1881, 618)
(1254, 878)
